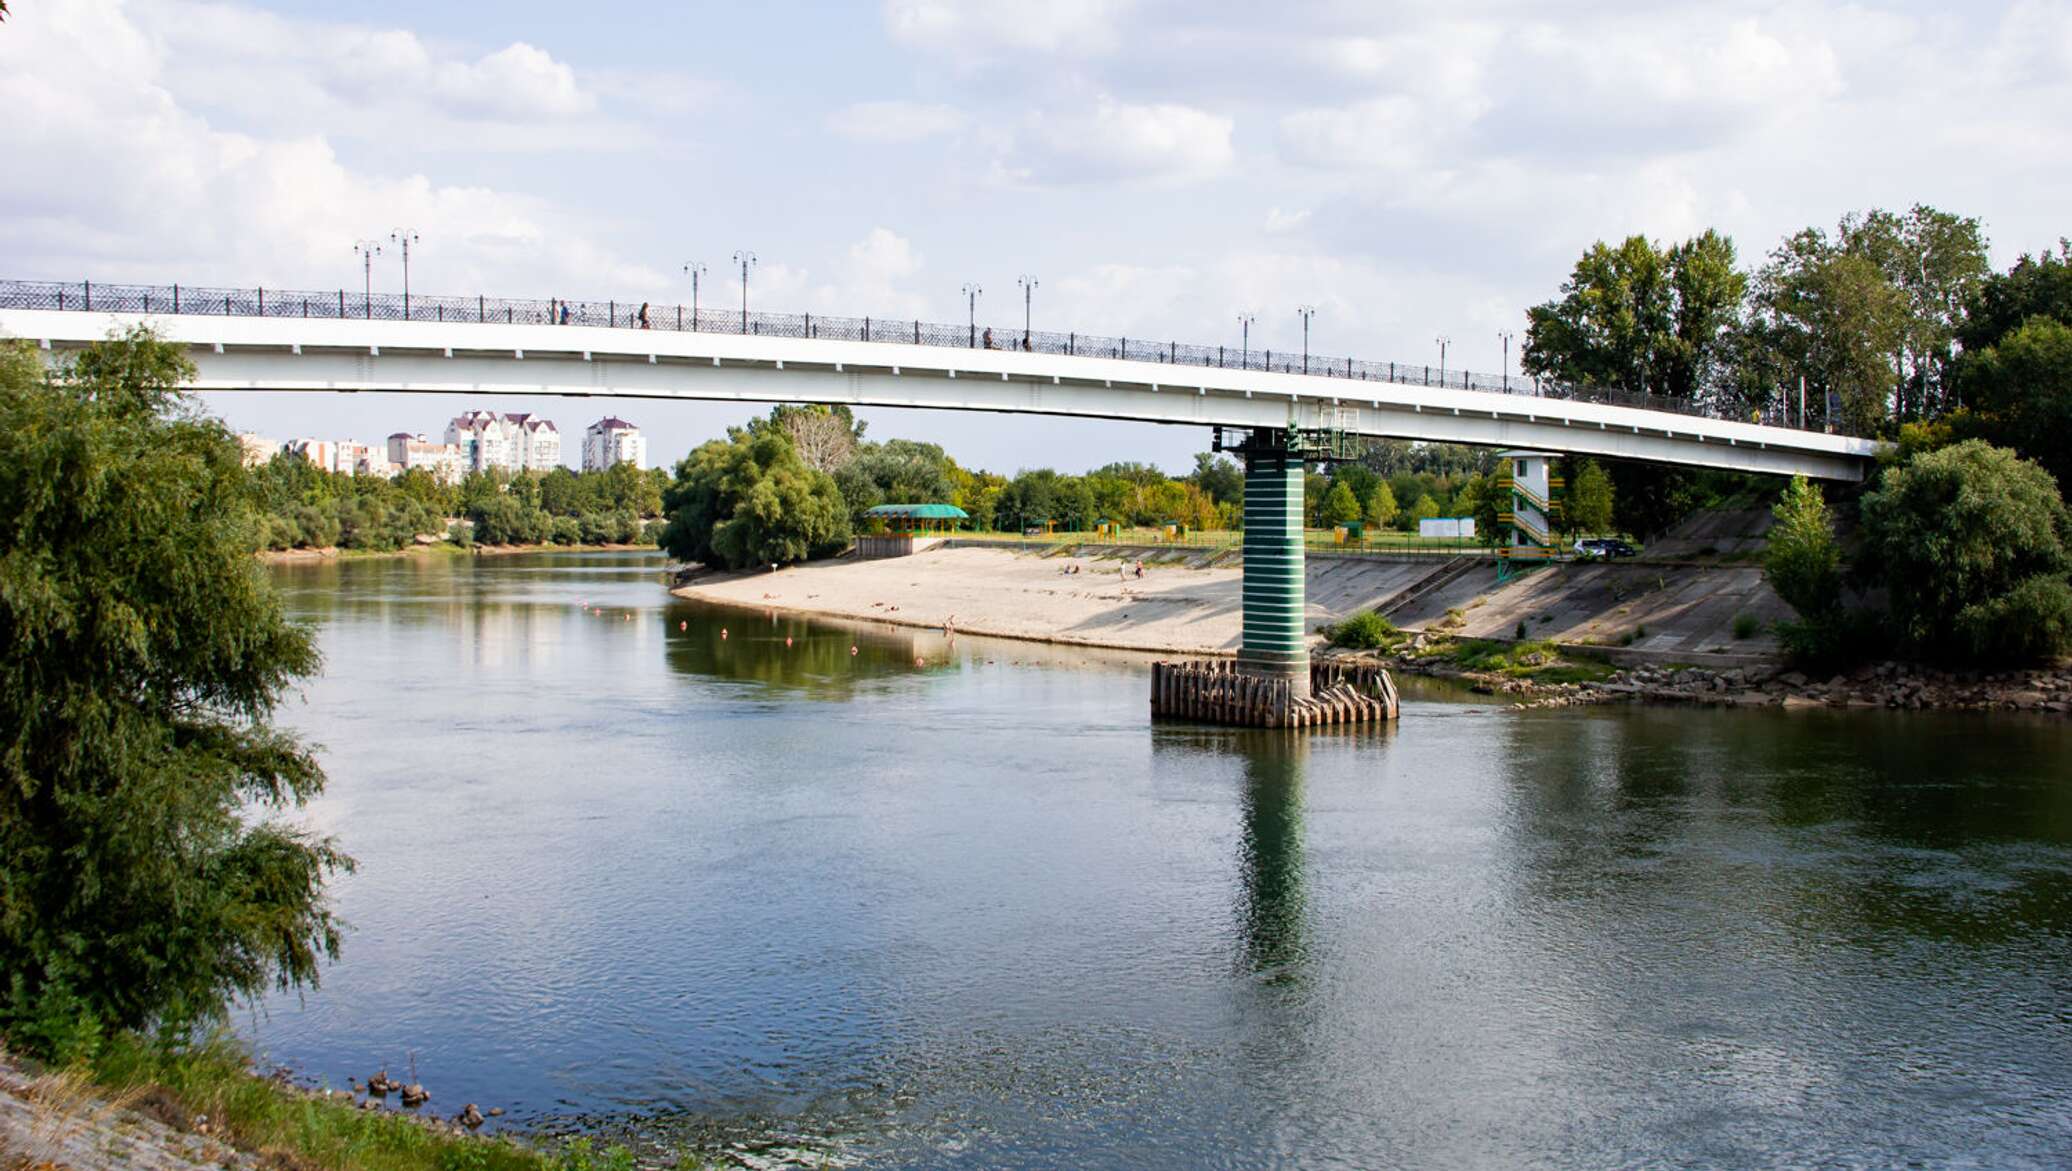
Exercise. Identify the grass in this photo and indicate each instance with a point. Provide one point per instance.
(297, 1131)
(1541, 662)
(1366, 630)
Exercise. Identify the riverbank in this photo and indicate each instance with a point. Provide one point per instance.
(1543, 677)
(445, 548)
(203, 1108)
(1181, 607)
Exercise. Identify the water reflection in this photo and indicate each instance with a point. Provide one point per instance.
(618, 871)
(1270, 856)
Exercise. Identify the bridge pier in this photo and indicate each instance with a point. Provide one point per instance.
(1275, 645)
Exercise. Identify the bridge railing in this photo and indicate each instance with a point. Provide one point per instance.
(343, 303)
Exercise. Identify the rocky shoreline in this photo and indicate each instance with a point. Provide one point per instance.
(1887, 685)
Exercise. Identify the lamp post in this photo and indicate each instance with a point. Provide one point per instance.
(746, 260)
(405, 237)
(971, 292)
(368, 250)
(1244, 321)
(1028, 284)
(696, 270)
(1506, 336)
(1306, 312)
(1442, 340)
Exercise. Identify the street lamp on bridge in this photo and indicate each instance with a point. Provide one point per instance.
(1442, 339)
(368, 250)
(971, 292)
(405, 237)
(1306, 312)
(1244, 321)
(696, 270)
(1506, 335)
(1028, 284)
(746, 260)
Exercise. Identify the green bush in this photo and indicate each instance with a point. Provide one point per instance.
(1802, 562)
(1970, 543)
(1746, 625)
(1364, 631)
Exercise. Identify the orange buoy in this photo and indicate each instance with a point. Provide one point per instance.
(852, 650)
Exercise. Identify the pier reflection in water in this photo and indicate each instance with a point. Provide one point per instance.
(620, 873)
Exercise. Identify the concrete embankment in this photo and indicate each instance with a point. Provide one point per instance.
(1188, 601)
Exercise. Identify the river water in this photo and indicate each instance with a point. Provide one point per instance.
(701, 877)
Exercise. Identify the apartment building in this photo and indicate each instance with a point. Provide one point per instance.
(443, 460)
(612, 440)
(487, 440)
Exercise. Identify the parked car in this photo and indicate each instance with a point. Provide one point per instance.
(1604, 548)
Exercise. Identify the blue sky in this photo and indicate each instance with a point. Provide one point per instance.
(1412, 169)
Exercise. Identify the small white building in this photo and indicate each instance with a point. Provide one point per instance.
(257, 448)
(612, 440)
(320, 453)
(442, 460)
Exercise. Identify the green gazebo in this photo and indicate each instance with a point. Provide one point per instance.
(909, 520)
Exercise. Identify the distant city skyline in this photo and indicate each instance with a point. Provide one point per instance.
(1159, 169)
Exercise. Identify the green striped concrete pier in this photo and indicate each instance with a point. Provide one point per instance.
(1274, 644)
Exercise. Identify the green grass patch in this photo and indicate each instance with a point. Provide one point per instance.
(296, 1130)
(1365, 631)
(1541, 662)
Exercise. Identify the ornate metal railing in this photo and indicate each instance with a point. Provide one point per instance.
(259, 302)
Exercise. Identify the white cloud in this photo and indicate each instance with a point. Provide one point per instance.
(128, 183)
(1280, 222)
(972, 28)
(292, 76)
(1114, 140)
(894, 121)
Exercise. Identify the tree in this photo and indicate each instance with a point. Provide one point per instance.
(1971, 545)
(1381, 506)
(1639, 318)
(824, 436)
(1425, 509)
(1937, 262)
(1802, 561)
(142, 653)
(2039, 285)
(1340, 506)
(1219, 476)
(2022, 389)
(1831, 316)
(749, 500)
(1588, 508)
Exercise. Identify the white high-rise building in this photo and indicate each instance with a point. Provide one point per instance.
(538, 442)
(514, 443)
(612, 440)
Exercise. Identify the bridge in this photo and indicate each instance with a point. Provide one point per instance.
(1291, 408)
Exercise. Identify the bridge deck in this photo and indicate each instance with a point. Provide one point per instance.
(283, 351)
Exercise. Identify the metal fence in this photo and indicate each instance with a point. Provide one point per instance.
(258, 302)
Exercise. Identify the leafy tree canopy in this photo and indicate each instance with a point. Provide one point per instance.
(142, 653)
(749, 500)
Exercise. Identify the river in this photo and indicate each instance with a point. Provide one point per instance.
(689, 876)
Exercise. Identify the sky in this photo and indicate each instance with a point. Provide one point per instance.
(1414, 170)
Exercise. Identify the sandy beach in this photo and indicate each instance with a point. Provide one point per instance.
(998, 592)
